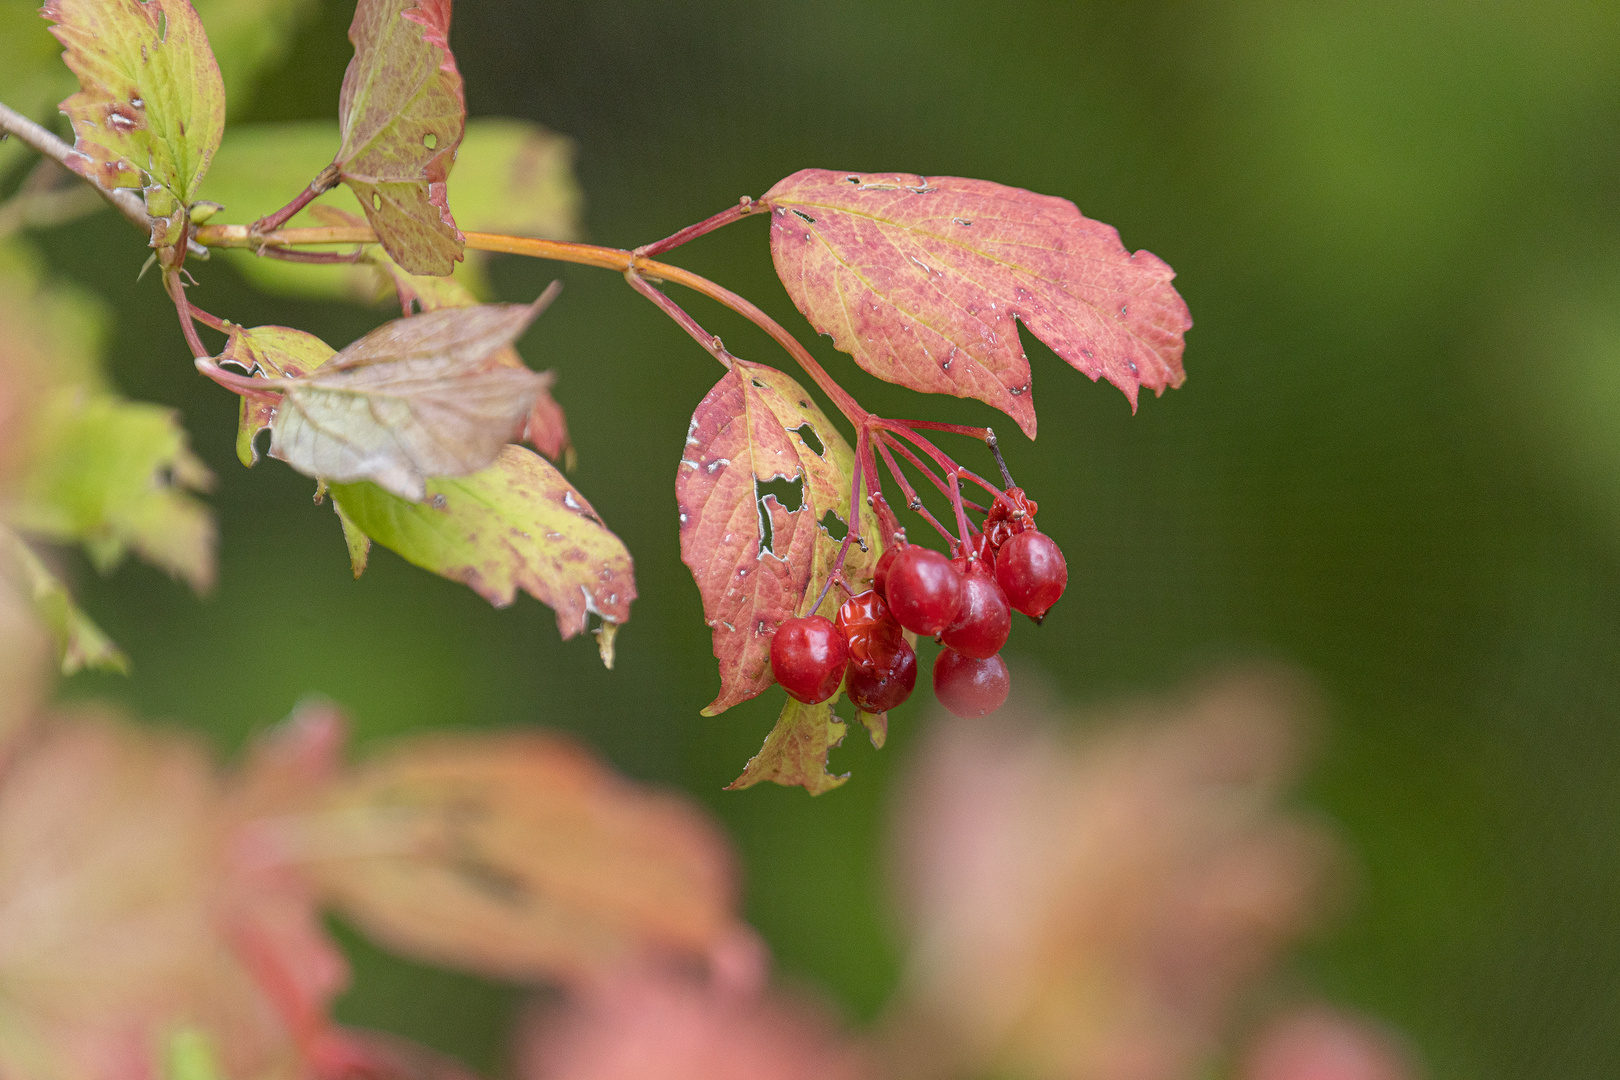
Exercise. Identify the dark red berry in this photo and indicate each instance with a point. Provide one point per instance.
(984, 620)
(870, 632)
(969, 687)
(880, 574)
(808, 657)
(879, 689)
(1030, 569)
(923, 591)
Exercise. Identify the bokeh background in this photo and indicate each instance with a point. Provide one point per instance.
(1395, 463)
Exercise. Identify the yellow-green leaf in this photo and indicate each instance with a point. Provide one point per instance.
(114, 475)
(151, 105)
(795, 752)
(274, 352)
(516, 525)
(80, 642)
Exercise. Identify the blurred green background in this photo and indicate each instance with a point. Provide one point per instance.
(1395, 463)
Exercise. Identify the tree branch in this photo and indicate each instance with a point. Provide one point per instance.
(18, 126)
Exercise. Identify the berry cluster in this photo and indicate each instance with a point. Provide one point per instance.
(966, 603)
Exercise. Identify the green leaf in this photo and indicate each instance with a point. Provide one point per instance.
(151, 105)
(415, 398)
(274, 352)
(359, 543)
(80, 642)
(516, 525)
(510, 176)
(402, 115)
(114, 475)
(795, 752)
(249, 37)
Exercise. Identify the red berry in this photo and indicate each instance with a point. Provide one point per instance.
(880, 574)
(1031, 571)
(923, 591)
(984, 620)
(969, 687)
(869, 630)
(879, 689)
(808, 657)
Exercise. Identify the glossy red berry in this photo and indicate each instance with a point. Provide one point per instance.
(880, 574)
(969, 687)
(879, 689)
(808, 656)
(984, 619)
(1032, 572)
(870, 632)
(924, 592)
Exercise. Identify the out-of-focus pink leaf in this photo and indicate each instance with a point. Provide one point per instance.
(150, 108)
(1096, 907)
(755, 560)
(650, 1025)
(124, 913)
(921, 279)
(1321, 1043)
(402, 114)
(24, 665)
(520, 856)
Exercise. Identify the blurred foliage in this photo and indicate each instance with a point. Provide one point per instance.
(1394, 462)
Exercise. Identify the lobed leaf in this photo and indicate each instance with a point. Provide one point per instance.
(516, 525)
(414, 398)
(114, 475)
(151, 104)
(754, 559)
(922, 281)
(402, 114)
(511, 176)
(522, 857)
(795, 752)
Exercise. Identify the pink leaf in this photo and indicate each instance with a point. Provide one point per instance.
(921, 279)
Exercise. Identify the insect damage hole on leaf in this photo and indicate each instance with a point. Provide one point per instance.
(788, 495)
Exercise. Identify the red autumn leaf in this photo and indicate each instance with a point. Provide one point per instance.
(921, 279)
(402, 114)
(756, 560)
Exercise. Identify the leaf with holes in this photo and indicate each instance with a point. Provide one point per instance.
(415, 398)
(151, 105)
(922, 280)
(521, 857)
(795, 752)
(515, 525)
(402, 115)
(752, 556)
(273, 352)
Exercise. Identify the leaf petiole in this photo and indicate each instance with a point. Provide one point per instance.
(745, 206)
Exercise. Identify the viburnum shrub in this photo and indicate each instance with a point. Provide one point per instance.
(414, 430)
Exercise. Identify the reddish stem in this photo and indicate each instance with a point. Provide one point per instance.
(853, 525)
(983, 434)
(933, 477)
(745, 206)
(709, 341)
(245, 385)
(325, 181)
(177, 292)
(324, 258)
(913, 501)
(213, 322)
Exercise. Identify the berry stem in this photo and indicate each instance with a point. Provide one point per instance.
(995, 449)
(854, 525)
(913, 502)
(745, 206)
(922, 467)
